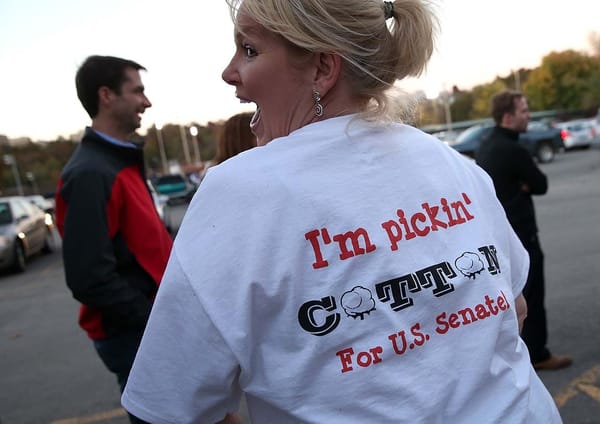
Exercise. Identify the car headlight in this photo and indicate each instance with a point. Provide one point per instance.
(48, 219)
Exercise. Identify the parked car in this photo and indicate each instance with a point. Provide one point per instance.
(47, 205)
(172, 185)
(446, 136)
(578, 133)
(160, 200)
(540, 140)
(174, 211)
(25, 230)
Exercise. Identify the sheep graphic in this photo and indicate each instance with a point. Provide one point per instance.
(469, 264)
(358, 302)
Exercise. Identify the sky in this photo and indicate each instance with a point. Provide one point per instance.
(185, 45)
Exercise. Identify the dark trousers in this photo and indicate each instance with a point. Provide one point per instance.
(118, 354)
(535, 333)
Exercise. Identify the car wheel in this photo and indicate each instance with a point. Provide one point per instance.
(19, 263)
(545, 152)
(48, 242)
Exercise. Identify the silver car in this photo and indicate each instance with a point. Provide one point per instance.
(25, 230)
(578, 133)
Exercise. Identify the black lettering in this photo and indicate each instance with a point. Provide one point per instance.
(306, 316)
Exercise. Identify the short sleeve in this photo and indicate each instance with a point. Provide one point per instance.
(519, 259)
(183, 371)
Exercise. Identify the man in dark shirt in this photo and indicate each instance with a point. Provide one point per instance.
(516, 178)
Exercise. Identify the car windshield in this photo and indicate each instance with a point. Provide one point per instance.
(5, 213)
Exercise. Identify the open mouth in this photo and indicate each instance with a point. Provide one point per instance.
(255, 118)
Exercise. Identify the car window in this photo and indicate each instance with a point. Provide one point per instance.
(5, 213)
(536, 126)
(472, 132)
(37, 200)
(170, 179)
(18, 209)
(30, 208)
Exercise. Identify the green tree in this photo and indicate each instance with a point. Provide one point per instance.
(563, 81)
(481, 98)
(462, 105)
(206, 142)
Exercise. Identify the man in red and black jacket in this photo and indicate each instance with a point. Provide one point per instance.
(115, 246)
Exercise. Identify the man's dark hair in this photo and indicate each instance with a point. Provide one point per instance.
(504, 102)
(101, 71)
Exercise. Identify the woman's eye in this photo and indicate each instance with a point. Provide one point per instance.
(250, 52)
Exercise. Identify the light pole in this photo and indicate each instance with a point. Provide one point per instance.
(10, 160)
(447, 99)
(194, 134)
(184, 144)
(31, 178)
(518, 80)
(161, 148)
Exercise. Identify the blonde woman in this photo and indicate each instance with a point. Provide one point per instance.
(350, 269)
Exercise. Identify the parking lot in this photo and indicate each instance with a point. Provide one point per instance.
(51, 374)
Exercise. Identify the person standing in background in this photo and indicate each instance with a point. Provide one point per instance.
(115, 246)
(516, 179)
(235, 137)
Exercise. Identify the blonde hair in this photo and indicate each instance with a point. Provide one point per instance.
(376, 53)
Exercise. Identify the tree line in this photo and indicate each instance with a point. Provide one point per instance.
(39, 164)
(567, 80)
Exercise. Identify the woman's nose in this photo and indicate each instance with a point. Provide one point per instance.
(229, 74)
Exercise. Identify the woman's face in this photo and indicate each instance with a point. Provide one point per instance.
(266, 71)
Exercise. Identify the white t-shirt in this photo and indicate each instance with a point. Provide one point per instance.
(344, 273)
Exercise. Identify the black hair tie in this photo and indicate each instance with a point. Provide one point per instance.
(388, 9)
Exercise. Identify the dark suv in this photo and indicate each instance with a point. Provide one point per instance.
(540, 140)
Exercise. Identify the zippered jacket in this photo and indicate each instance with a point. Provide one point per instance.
(115, 246)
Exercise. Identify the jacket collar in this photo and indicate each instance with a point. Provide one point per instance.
(507, 132)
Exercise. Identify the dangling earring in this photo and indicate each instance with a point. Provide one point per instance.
(318, 105)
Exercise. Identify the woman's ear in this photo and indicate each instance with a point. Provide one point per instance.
(328, 71)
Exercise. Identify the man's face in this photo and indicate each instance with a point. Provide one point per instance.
(128, 106)
(520, 118)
